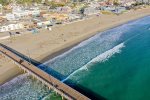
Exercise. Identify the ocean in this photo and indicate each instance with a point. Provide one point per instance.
(112, 65)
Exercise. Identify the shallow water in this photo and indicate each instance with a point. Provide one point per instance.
(24, 87)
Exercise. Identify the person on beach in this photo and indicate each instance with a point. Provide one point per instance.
(10, 34)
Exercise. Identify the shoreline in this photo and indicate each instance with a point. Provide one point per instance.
(64, 37)
(59, 52)
(9, 71)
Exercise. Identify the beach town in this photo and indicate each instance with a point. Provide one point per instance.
(45, 29)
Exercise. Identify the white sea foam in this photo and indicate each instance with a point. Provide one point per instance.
(78, 46)
(100, 58)
(106, 55)
(23, 87)
(14, 81)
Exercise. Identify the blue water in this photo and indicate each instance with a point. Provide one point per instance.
(114, 64)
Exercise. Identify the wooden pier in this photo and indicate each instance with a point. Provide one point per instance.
(64, 90)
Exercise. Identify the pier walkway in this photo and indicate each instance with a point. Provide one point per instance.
(64, 90)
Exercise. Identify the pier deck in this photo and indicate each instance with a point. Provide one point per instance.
(53, 83)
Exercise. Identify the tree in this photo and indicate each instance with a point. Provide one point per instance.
(5, 2)
(53, 4)
(28, 1)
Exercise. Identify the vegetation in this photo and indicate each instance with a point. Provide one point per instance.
(107, 12)
(138, 3)
(6, 2)
(28, 1)
(53, 96)
(116, 3)
(53, 4)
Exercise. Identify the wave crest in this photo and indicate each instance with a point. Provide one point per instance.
(106, 55)
(100, 58)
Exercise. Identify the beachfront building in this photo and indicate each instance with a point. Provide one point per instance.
(19, 13)
(11, 27)
(55, 16)
(73, 17)
(91, 11)
(11, 17)
(127, 2)
(65, 9)
(44, 23)
(143, 1)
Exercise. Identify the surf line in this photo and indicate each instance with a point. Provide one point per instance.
(100, 58)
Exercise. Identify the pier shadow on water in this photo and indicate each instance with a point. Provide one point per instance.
(87, 92)
(38, 64)
(57, 75)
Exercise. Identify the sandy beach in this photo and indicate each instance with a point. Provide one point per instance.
(48, 44)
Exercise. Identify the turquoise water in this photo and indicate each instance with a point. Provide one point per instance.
(114, 65)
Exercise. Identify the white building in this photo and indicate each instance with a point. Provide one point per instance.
(11, 27)
(11, 17)
(18, 13)
(91, 11)
(143, 1)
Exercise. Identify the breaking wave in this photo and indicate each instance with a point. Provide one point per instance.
(106, 55)
(100, 58)
(19, 79)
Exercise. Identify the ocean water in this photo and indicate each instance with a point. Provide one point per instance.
(25, 87)
(112, 65)
(22, 87)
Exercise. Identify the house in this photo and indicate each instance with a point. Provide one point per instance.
(90, 11)
(64, 9)
(73, 17)
(11, 17)
(143, 1)
(56, 16)
(19, 13)
(11, 27)
(44, 23)
(127, 2)
(4, 29)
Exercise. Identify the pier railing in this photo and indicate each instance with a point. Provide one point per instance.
(53, 83)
